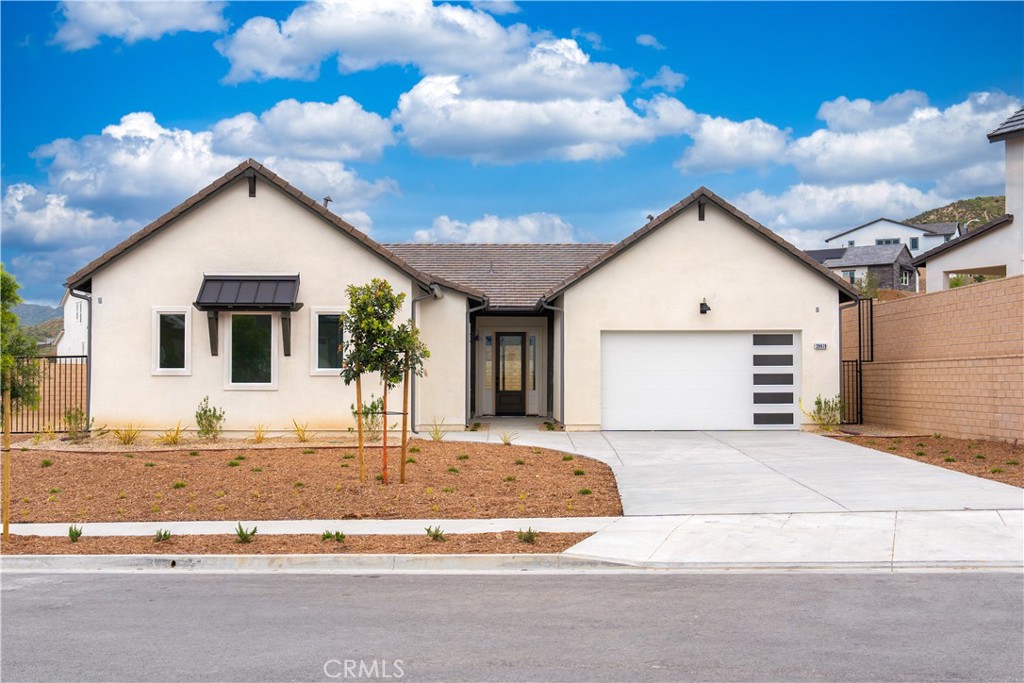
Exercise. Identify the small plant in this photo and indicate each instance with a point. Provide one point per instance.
(193, 453)
(172, 436)
(308, 451)
(453, 470)
(379, 477)
(584, 492)
(944, 451)
(161, 536)
(233, 463)
(348, 456)
(299, 484)
(255, 469)
(77, 426)
(507, 437)
(45, 463)
(979, 456)
(462, 457)
(436, 533)
(566, 458)
(301, 432)
(528, 536)
(244, 535)
(333, 536)
(827, 413)
(179, 485)
(447, 489)
(209, 420)
(919, 453)
(549, 426)
(54, 491)
(510, 478)
(919, 445)
(1012, 462)
(412, 449)
(239, 457)
(129, 455)
(996, 470)
(259, 433)
(578, 473)
(520, 462)
(373, 418)
(411, 460)
(475, 427)
(936, 435)
(950, 459)
(127, 434)
(149, 464)
(436, 430)
(74, 533)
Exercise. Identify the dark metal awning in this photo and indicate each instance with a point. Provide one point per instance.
(248, 293)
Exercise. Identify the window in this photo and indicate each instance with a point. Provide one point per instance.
(850, 275)
(325, 334)
(251, 341)
(915, 242)
(172, 341)
(888, 240)
(946, 238)
(850, 243)
(905, 277)
(78, 311)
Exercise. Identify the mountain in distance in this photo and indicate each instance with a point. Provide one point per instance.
(980, 210)
(33, 314)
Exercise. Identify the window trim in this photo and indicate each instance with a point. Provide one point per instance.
(155, 368)
(314, 316)
(275, 342)
(887, 240)
(915, 243)
(850, 276)
(904, 277)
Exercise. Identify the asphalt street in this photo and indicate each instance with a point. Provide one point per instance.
(583, 627)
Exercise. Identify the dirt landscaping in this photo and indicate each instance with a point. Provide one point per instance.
(235, 481)
(994, 460)
(506, 542)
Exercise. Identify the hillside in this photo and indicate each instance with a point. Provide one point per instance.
(983, 209)
(33, 314)
(46, 330)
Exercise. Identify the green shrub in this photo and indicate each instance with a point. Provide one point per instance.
(45, 463)
(578, 473)
(528, 536)
(161, 535)
(373, 420)
(827, 413)
(332, 536)
(584, 492)
(209, 420)
(179, 485)
(128, 434)
(244, 535)
(74, 533)
(435, 533)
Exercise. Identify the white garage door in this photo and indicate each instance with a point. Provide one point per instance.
(699, 380)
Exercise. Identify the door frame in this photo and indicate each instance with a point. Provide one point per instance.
(521, 336)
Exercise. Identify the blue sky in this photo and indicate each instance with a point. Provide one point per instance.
(496, 121)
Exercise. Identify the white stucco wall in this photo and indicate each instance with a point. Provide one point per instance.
(659, 282)
(885, 229)
(75, 338)
(441, 394)
(994, 249)
(233, 233)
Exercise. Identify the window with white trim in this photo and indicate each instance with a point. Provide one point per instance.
(915, 242)
(905, 277)
(850, 275)
(850, 243)
(251, 343)
(888, 240)
(325, 341)
(172, 341)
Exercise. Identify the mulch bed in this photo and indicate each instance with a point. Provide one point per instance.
(505, 542)
(448, 480)
(994, 460)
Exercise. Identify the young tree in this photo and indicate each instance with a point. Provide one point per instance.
(368, 327)
(412, 353)
(17, 379)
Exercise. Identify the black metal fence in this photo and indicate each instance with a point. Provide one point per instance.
(851, 387)
(63, 388)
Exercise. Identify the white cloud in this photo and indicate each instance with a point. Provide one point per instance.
(37, 218)
(437, 118)
(359, 220)
(843, 114)
(42, 269)
(531, 227)
(365, 35)
(984, 178)
(666, 78)
(341, 130)
(720, 144)
(593, 39)
(82, 23)
(647, 40)
(499, 7)
(826, 209)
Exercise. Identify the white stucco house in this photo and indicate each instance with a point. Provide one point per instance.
(73, 340)
(997, 247)
(885, 231)
(701, 319)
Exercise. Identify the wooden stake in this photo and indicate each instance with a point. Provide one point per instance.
(7, 463)
(359, 424)
(384, 469)
(405, 427)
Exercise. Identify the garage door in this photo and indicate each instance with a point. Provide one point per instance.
(699, 380)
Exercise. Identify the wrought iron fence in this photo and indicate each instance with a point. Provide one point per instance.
(851, 386)
(62, 382)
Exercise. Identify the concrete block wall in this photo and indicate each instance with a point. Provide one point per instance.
(950, 362)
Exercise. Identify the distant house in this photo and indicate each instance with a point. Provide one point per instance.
(892, 264)
(73, 340)
(996, 248)
(919, 238)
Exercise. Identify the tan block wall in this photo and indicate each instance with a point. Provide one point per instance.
(950, 362)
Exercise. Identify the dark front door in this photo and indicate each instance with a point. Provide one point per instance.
(510, 374)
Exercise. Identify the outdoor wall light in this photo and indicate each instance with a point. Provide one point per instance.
(704, 308)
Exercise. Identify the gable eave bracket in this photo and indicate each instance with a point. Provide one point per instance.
(286, 331)
(212, 319)
(251, 176)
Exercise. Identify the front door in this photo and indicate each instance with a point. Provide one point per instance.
(510, 374)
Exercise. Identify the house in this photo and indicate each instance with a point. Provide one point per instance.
(701, 319)
(73, 340)
(997, 247)
(881, 231)
(891, 265)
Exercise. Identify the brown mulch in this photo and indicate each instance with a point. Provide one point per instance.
(994, 460)
(505, 542)
(448, 480)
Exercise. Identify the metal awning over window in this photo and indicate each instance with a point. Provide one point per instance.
(241, 293)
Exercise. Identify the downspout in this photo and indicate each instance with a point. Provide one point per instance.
(87, 298)
(469, 357)
(436, 293)
(561, 357)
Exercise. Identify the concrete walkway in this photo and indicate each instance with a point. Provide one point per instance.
(728, 499)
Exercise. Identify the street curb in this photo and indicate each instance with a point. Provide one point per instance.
(426, 564)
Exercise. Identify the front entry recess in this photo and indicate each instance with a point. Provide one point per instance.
(510, 371)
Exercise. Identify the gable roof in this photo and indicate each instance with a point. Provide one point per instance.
(1012, 127)
(512, 276)
(868, 255)
(944, 228)
(822, 255)
(963, 239)
(698, 197)
(247, 169)
(922, 228)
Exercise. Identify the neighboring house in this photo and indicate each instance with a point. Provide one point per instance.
(892, 264)
(73, 340)
(997, 247)
(882, 231)
(702, 319)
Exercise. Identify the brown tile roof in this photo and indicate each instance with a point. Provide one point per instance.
(1010, 128)
(513, 276)
(922, 260)
(703, 194)
(245, 170)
